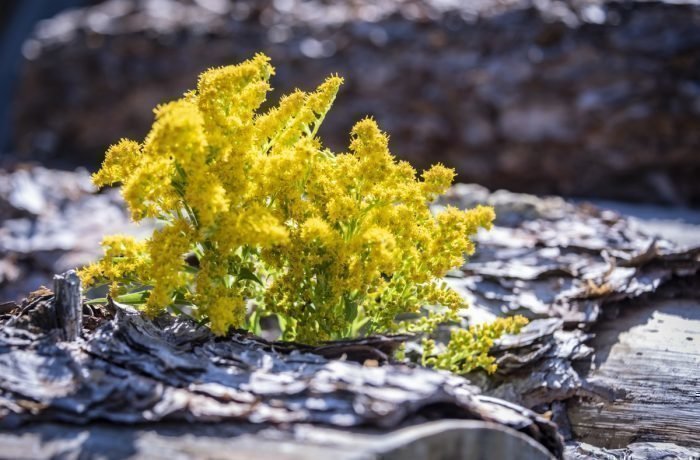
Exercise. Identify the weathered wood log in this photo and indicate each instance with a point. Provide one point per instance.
(68, 305)
(133, 370)
(546, 257)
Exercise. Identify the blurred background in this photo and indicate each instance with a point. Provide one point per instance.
(579, 98)
(588, 99)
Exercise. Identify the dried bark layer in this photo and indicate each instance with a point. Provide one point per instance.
(546, 258)
(612, 351)
(133, 370)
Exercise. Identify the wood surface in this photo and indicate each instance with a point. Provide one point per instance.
(648, 360)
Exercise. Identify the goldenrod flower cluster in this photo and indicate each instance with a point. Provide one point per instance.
(259, 215)
(468, 349)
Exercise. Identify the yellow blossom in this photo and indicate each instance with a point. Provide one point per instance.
(468, 349)
(120, 161)
(437, 180)
(254, 207)
(167, 248)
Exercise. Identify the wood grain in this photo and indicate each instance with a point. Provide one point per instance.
(651, 355)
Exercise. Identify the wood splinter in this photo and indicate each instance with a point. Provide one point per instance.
(68, 305)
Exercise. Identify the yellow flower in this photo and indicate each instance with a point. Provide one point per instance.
(148, 191)
(205, 195)
(177, 134)
(253, 226)
(167, 248)
(436, 181)
(226, 312)
(316, 230)
(228, 97)
(341, 208)
(120, 161)
(125, 260)
(254, 207)
(468, 349)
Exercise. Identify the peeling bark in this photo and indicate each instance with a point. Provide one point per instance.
(133, 370)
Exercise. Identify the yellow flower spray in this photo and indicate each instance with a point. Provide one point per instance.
(257, 212)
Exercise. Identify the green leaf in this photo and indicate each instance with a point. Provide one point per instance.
(254, 322)
(358, 324)
(180, 298)
(190, 269)
(133, 298)
(178, 310)
(96, 301)
(282, 321)
(350, 309)
(203, 321)
(246, 274)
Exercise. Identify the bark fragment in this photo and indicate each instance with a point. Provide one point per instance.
(68, 305)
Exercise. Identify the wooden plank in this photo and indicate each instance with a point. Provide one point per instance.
(650, 357)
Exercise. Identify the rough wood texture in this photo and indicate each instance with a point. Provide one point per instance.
(649, 360)
(635, 451)
(547, 258)
(132, 370)
(68, 305)
(536, 367)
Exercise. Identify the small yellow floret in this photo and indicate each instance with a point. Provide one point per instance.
(120, 161)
